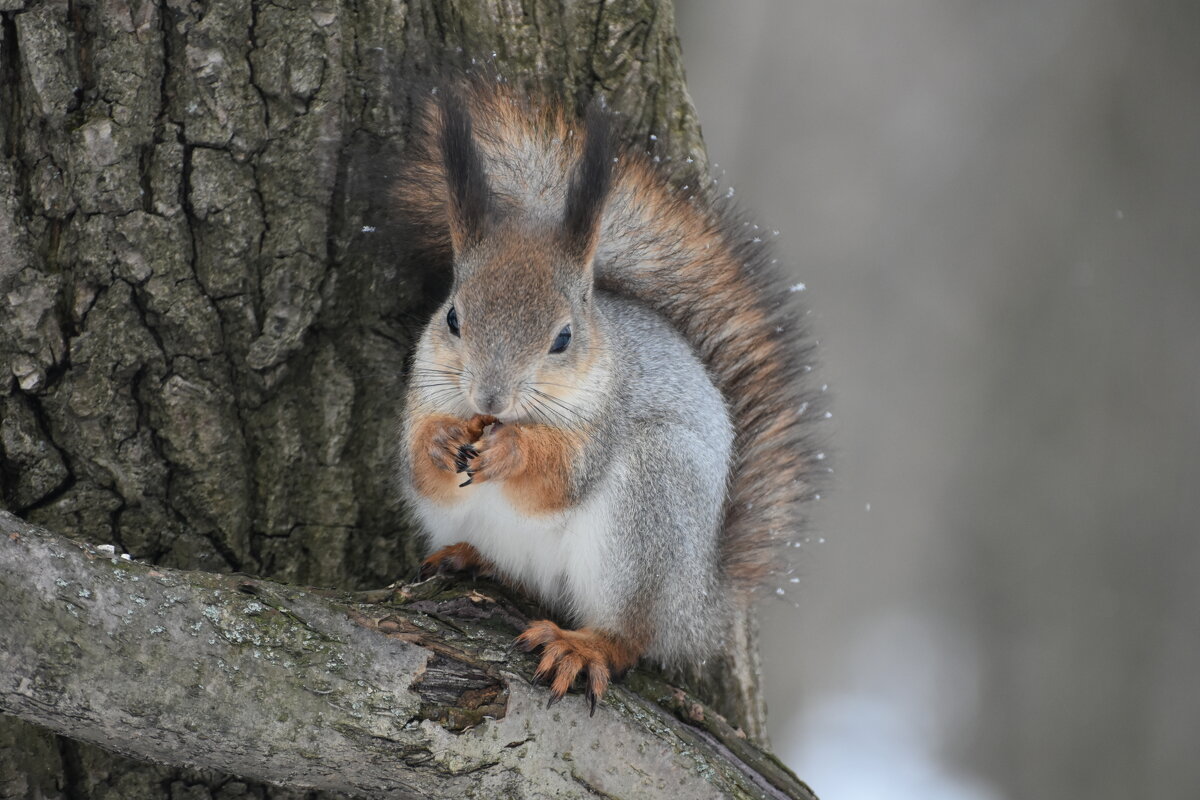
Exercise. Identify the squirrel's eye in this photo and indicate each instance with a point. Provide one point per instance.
(452, 321)
(562, 340)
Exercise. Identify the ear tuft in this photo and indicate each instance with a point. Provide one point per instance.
(469, 195)
(589, 187)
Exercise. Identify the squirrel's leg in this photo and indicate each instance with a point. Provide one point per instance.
(662, 539)
(460, 557)
(598, 654)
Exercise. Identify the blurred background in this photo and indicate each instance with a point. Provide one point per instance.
(996, 210)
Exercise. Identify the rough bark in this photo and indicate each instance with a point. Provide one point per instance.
(410, 694)
(206, 311)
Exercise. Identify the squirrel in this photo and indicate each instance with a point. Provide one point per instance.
(608, 410)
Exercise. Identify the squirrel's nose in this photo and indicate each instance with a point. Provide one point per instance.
(490, 402)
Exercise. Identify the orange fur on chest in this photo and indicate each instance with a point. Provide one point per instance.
(543, 484)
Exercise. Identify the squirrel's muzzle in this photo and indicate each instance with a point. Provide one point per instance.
(491, 400)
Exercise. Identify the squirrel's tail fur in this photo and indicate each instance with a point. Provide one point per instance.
(666, 242)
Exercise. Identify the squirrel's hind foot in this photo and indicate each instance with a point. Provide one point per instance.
(460, 557)
(566, 654)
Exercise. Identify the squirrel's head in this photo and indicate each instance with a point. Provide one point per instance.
(519, 327)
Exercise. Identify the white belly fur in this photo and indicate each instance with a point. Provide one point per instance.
(560, 557)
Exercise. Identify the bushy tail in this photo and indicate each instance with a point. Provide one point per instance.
(694, 260)
(698, 263)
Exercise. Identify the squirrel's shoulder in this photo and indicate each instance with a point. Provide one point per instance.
(663, 374)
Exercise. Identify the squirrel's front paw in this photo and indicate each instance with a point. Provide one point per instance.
(496, 456)
(450, 443)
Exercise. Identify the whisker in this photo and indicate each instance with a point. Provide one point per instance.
(523, 408)
(436, 384)
(555, 385)
(558, 401)
(572, 422)
(539, 413)
(434, 376)
(427, 371)
(442, 387)
(438, 397)
(434, 366)
(549, 418)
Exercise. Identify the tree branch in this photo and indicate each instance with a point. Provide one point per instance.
(405, 690)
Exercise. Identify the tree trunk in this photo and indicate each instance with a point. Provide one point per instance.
(206, 311)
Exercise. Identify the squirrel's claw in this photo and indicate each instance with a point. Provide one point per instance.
(463, 456)
(508, 651)
(462, 464)
(590, 695)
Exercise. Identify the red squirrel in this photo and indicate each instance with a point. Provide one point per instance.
(609, 408)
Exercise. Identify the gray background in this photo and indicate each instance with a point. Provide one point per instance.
(994, 206)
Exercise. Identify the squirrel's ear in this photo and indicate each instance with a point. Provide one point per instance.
(589, 187)
(469, 198)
